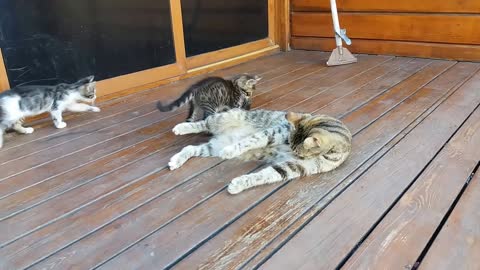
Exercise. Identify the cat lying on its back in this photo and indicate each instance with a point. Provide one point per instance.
(293, 144)
(215, 94)
(24, 101)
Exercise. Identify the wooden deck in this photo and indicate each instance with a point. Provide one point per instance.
(99, 195)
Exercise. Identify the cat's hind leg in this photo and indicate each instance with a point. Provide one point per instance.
(203, 150)
(18, 127)
(272, 174)
(81, 107)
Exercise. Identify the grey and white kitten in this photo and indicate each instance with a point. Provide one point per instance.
(24, 101)
(293, 144)
(214, 94)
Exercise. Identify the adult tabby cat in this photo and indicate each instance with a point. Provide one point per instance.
(23, 101)
(293, 144)
(214, 94)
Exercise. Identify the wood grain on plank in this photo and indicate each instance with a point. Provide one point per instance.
(458, 244)
(107, 234)
(455, 29)
(260, 227)
(390, 47)
(346, 220)
(397, 80)
(405, 231)
(428, 6)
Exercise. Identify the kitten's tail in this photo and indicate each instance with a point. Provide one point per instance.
(185, 98)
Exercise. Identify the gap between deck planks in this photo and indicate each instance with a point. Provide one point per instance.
(360, 69)
(212, 222)
(459, 238)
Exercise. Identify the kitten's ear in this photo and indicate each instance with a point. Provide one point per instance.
(293, 117)
(310, 142)
(85, 80)
(251, 82)
(257, 78)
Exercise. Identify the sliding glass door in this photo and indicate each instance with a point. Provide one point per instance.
(125, 43)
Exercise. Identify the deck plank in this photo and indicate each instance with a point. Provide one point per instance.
(214, 209)
(180, 195)
(374, 192)
(459, 238)
(405, 231)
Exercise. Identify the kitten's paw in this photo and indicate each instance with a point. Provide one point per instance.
(181, 129)
(237, 185)
(95, 109)
(228, 152)
(176, 162)
(61, 125)
(29, 130)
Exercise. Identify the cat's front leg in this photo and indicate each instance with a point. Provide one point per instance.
(21, 129)
(58, 119)
(82, 107)
(190, 127)
(188, 152)
(280, 172)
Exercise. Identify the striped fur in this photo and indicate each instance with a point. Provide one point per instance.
(215, 94)
(294, 145)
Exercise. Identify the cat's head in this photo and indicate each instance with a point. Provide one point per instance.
(247, 83)
(86, 87)
(306, 138)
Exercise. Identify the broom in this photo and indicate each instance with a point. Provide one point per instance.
(340, 55)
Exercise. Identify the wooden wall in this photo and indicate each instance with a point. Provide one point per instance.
(425, 28)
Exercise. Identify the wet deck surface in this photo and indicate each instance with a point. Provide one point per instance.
(98, 194)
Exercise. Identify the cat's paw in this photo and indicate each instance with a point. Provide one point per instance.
(176, 162)
(181, 129)
(61, 125)
(28, 130)
(228, 152)
(237, 185)
(95, 109)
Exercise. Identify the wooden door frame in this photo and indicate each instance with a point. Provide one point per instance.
(278, 38)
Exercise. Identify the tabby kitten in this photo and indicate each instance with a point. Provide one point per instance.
(293, 144)
(215, 94)
(23, 101)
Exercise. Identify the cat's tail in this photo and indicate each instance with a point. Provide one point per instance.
(185, 98)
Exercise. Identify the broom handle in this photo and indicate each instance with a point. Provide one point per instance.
(336, 24)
